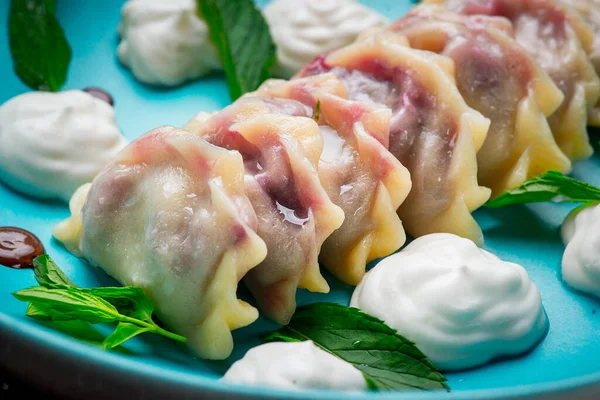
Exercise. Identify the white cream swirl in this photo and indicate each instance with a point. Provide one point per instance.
(165, 42)
(52, 143)
(461, 305)
(581, 259)
(298, 365)
(304, 29)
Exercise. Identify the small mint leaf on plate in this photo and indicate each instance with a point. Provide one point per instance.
(243, 41)
(123, 332)
(49, 275)
(64, 304)
(60, 301)
(551, 186)
(39, 48)
(387, 360)
(129, 300)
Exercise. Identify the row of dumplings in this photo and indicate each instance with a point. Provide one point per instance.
(412, 127)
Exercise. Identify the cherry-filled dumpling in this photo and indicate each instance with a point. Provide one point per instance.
(590, 10)
(170, 216)
(357, 171)
(433, 132)
(499, 79)
(294, 213)
(559, 40)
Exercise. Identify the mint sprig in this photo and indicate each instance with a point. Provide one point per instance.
(243, 40)
(49, 275)
(551, 186)
(39, 48)
(387, 360)
(59, 299)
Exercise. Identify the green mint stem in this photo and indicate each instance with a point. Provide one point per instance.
(154, 328)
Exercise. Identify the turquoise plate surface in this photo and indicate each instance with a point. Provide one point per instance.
(567, 361)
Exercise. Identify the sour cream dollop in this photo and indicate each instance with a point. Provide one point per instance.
(461, 305)
(299, 365)
(52, 143)
(165, 42)
(304, 29)
(581, 259)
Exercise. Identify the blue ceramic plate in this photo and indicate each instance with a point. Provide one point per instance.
(567, 360)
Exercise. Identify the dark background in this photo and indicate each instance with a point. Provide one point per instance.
(12, 388)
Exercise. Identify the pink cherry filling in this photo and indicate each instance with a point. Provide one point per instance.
(317, 66)
(270, 167)
(414, 108)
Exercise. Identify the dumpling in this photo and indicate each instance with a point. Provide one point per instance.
(433, 132)
(355, 168)
(294, 213)
(559, 40)
(590, 10)
(170, 216)
(499, 79)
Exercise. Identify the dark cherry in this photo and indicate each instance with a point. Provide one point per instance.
(100, 94)
(18, 247)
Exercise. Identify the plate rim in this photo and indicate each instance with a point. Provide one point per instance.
(27, 333)
(51, 341)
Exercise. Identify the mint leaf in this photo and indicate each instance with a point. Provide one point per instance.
(129, 300)
(39, 48)
(80, 329)
(123, 332)
(242, 37)
(51, 6)
(42, 313)
(551, 186)
(60, 300)
(62, 304)
(48, 274)
(387, 360)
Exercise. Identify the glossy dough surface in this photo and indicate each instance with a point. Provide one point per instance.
(559, 40)
(590, 11)
(170, 216)
(294, 213)
(357, 171)
(500, 80)
(432, 131)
